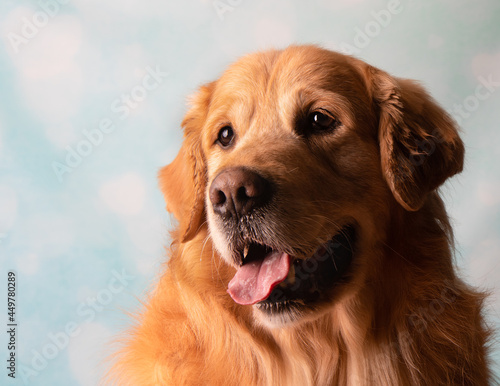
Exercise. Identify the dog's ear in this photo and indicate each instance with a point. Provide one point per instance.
(419, 142)
(183, 181)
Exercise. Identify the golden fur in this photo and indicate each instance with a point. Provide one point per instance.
(402, 318)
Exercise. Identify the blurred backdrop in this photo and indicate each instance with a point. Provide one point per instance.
(91, 97)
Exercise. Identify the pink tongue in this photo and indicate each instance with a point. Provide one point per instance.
(254, 281)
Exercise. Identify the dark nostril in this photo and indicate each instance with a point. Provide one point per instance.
(241, 194)
(219, 198)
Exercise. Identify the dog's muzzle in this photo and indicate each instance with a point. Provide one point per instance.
(267, 276)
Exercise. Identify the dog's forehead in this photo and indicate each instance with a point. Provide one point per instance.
(276, 73)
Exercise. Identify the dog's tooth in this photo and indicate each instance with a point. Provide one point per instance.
(245, 251)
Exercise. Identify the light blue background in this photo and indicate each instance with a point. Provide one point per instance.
(68, 239)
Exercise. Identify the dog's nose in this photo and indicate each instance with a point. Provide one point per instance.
(237, 191)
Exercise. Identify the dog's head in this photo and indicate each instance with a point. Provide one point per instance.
(296, 158)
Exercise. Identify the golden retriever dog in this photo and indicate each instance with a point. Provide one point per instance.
(312, 246)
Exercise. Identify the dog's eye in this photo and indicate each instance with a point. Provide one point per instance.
(225, 136)
(321, 121)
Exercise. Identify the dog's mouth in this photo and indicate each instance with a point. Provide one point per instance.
(275, 281)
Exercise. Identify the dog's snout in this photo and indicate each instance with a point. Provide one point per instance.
(237, 191)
